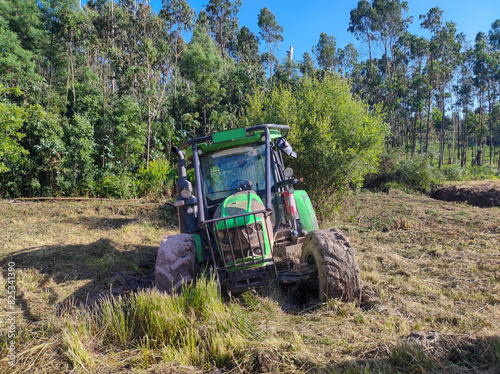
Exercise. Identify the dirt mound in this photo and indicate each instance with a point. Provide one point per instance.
(478, 193)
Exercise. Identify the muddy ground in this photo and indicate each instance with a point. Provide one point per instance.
(477, 193)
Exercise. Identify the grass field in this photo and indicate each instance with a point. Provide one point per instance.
(431, 271)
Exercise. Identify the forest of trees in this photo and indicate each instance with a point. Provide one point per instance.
(92, 98)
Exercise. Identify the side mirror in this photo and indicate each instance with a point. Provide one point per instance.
(286, 147)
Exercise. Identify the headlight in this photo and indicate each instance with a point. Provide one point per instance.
(288, 172)
(185, 194)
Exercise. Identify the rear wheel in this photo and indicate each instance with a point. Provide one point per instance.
(330, 252)
(176, 262)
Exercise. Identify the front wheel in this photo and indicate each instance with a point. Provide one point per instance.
(175, 262)
(331, 254)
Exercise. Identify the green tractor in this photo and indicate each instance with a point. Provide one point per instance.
(245, 221)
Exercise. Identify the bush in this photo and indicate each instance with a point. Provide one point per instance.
(483, 172)
(156, 180)
(454, 172)
(405, 171)
(117, 186)
(337, 137)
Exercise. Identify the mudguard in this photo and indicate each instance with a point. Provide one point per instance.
(306, 211)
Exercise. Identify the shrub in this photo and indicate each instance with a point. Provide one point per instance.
(483, 172)
(156, 180)
(405, 171)
(337, 137)
(454, 172)
(117, 186)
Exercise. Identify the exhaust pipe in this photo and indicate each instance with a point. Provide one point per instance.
(186, 202)
(183, 183)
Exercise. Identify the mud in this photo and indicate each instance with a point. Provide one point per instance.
(483, 194)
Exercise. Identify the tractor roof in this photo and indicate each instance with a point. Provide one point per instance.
(232, 138)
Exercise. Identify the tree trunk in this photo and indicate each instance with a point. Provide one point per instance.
(428, 130)
(479, 153)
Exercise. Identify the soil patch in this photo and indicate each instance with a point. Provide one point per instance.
(478, 193)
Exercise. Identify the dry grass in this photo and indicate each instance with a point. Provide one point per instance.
(433, 269)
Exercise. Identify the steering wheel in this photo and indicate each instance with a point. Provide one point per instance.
(237, 183)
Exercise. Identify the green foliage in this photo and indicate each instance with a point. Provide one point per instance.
(482, 172)
(454, 172)
(156, 180)
(325, 51)
(117, 186)
(407, 172)
(338, 139)
(78, 164)
(202, 64)
(47, 149)
(11, 121)
(17, 67)
(129, 134)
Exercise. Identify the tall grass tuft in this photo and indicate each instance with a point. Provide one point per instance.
(193, 328)
(411, 357)
(75, 349)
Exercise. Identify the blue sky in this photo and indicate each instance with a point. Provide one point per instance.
(303, 21)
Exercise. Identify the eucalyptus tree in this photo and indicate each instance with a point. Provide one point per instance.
(346, 59)
(433, 22)
(362, 23)
(244, 73)
(223, 24)
(54, 13)
(419, 48)
(383, 22)
(485, 64)
(494, 34)
(463, 90)
(247, 47)
(306, 65)
(325, 51)
(202, 65)
(272, 33)
(494, 41)
(152, 68)
(179, 16)
(448, 46)
(389, 24)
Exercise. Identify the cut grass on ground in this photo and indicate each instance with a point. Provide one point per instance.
(432, 267)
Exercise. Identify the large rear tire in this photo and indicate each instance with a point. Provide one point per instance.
(176, 262)
(330, 252)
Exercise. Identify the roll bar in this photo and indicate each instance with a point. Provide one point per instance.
(248, 129)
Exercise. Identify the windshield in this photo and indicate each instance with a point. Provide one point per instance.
(225, 171)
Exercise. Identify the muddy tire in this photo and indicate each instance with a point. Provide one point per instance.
(338, 272)
(175, 263)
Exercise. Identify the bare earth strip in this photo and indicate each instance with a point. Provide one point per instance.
(478, 193)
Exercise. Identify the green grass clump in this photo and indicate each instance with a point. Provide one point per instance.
(411, 357)
(75, 345)
(193, 328)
